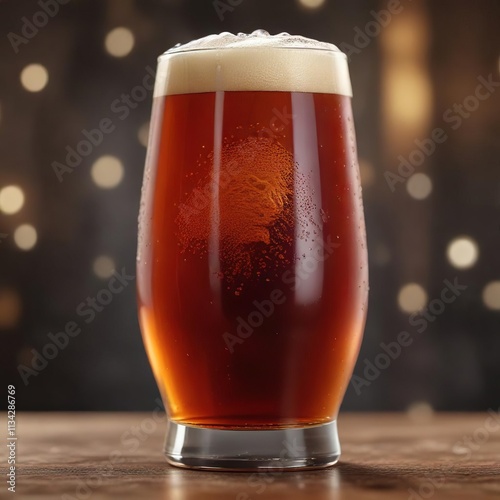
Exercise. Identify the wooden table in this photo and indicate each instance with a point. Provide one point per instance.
(385, 456)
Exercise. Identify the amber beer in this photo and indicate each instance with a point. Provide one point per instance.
(252, 263)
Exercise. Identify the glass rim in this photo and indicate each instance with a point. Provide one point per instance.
(173, 51)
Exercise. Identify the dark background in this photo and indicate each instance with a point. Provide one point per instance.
(424, 61)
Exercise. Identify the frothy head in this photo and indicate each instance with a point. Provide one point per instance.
(258, 62)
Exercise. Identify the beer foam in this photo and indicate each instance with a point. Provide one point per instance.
(257, 62)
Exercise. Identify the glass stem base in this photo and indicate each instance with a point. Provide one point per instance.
(239, 450)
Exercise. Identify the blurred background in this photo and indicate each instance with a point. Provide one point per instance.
(427, 110)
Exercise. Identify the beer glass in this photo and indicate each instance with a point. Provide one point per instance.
(252, 264)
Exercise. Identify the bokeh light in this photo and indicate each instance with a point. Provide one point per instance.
(312, 4)
(11, 199)
(107, 172)
(462, 252)
(412, 298)
(25, 237)
(143, 134)
(419, 186)
(420, 412)
(103, 266)
(34, 77)
(491, 295)
(366, 172)
(10, 308)
(119, 42)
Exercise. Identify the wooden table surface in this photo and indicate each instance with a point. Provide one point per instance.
(384, 456)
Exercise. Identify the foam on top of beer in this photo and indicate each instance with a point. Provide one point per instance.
(258, 61)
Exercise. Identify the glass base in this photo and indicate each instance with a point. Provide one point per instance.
(249, 450)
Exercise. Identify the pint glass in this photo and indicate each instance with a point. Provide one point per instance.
(252, 264)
